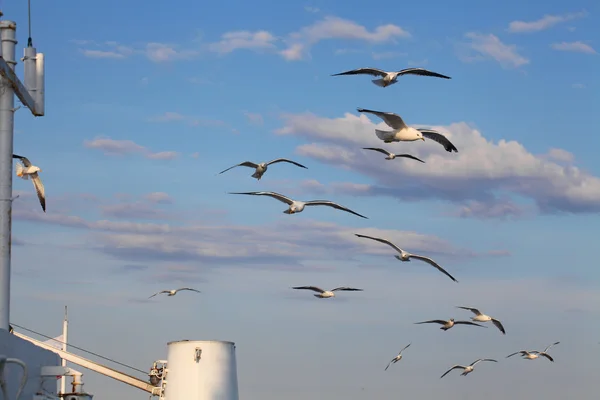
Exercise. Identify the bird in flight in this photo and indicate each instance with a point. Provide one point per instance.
(261, 168)
(296, 206)
(391, 156)
(480, 317)
(405, 256)
(404, 133)
(397, 358)
(532, 355)
(389, 78)
(468, 369)
(325, 294)
(449, 324)
(173, 292)
(27, 170)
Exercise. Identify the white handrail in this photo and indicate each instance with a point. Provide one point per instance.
(3, 361)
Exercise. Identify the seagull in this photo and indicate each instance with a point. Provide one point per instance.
(405, 256)
(173, 292)
(325, 294)
(262, 167)
(404, 133)
(397, 358)
(27, 170)
(296, 206)
(532, 355)
(479, 317)
(391, 156)
(449, 324)
(468, 369)
(389, 78)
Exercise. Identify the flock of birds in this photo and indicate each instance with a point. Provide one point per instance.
(400, 133)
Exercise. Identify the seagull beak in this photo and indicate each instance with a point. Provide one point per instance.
(423, 139)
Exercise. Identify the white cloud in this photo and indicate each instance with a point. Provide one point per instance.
(102, 54)
(161, 52)
(577, 47)
(546, 22)
(159, 198)
(122, 147)
(156, 52)
(482, 170)
(254, 118)
(560, 155)
(257, 41)
(491, 47)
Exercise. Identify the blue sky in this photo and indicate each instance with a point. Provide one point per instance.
(148, 101)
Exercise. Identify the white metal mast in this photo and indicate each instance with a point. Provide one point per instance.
(63, 379)
(32, 96)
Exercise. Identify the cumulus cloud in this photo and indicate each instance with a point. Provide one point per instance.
(123, 147)
(484, 47)
(153, 51)
(297, 44)
(576, 47)
(492, 173)
(546, 22)
(159, 198)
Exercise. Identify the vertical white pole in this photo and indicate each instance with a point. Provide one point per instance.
(63, 380)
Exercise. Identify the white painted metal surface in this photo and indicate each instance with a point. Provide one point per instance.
(201, 370)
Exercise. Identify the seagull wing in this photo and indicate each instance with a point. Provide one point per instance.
(482, 359)
(547, 348)
(346, 289)
(161, 292)
(547, 356)
(278, 160)
(187, 288)
(39, 189)
(473, 310)
(433, 263)
(421, 72)
(274, 195)
(391, 119)
(498, 325)
(517, 352)
(363, 71)
(244, 164)
(25, 160)
(390, 363)
(405, 347)
(433, 321)
(438, 137)
(454, 367)
(468, 323)
(313, 288)
(332, 204)
(392, 245)
(387, 153)
(409, 156)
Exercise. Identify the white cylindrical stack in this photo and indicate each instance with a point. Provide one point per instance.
(201, 370)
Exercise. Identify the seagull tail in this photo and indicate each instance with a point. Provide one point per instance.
(384, 135)
(378, 82)
(19, 171)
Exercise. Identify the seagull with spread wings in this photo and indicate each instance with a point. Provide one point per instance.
(261, 168)
(480, 317)
(325, 294)
(391, 156)
(405, 256)
(389, 78)
(27, 170)
(468, 369)
(532, 355)
(449, 324)
(404, 133)
(397, 358)
(173, 292)
(296, 206)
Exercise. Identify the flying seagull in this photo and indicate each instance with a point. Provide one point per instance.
(405, 256)
(389, 78)
(262, 167)
(532, 355)
(403, 133)
(397, 358)
(391, 156)
(27, 170)
(479, 317)
(173, 292)
(325, 294)
(467, 369)
(296, 206)
(449, 324)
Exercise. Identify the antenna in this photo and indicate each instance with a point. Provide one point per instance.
(32, 96)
